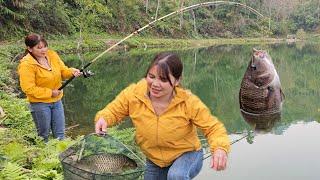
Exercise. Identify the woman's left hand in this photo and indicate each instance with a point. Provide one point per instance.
(219, 160)
(76, 73)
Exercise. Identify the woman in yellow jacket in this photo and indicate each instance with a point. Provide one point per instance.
(166, 117)
(40, 72)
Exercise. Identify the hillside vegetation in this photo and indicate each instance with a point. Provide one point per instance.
(67, 17)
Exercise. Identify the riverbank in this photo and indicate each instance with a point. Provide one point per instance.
(36, 159)
(99, 42)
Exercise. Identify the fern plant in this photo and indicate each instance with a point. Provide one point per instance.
(12, 171)
(15, 152)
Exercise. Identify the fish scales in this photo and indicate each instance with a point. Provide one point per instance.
(106, 163)
(256, 100)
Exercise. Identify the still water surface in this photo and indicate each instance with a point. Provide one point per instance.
(289, 151)
(292, 155)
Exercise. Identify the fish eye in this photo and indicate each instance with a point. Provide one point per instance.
(253, 66)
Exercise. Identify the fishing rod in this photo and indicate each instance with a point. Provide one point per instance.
(104, 134)
(248, 135)
(204, 4)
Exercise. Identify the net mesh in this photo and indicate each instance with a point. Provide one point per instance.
(101, 157)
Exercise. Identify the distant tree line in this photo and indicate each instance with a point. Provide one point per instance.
(67, 17)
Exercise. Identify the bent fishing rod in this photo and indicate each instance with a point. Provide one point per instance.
(204, 4)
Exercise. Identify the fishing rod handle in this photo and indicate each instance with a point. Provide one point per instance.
(69, 80)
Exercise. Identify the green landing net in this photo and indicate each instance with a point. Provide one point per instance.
(101, 157)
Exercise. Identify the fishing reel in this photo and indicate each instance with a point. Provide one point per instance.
(87, 73)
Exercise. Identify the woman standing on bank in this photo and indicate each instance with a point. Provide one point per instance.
(41, 72)
(165, 117)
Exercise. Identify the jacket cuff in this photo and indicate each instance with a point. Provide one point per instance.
(98, 116)
(222, 148)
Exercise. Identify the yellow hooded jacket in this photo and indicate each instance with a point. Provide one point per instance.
(37, 82)
(164, 138)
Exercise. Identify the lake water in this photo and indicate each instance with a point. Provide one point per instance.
(289, 151)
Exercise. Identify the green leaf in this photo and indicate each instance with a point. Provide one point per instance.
(12, 171)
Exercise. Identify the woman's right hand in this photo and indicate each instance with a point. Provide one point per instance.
(219, 160)
(101, 126)
(55, 92)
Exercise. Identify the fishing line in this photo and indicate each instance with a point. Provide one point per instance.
(132, 152)
(205, 156)
(204, 4)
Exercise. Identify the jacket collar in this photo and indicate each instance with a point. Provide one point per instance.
(31, 60)
(28, 58)
(141, 92)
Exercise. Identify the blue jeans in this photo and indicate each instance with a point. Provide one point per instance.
(48, 116)
(185, 167)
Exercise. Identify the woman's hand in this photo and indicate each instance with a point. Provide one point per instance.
(219, 160)
(56, 92)
(101, 126)
(76, 73)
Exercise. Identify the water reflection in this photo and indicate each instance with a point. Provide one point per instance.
(213, 73)
(288, 151)
(293, 155)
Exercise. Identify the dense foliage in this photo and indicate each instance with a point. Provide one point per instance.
(18, 17)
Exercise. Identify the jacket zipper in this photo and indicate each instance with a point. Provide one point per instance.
(157, 138)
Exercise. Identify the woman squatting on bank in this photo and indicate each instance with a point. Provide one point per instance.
(166, 117)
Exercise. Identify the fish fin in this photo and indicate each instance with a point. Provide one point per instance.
(264, 80)
(254, 125)
(270, 98)
(240, 103)
(270, 90)
(282, 95)
(254, 50)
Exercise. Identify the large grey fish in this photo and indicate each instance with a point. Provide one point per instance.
(104, 163)
(260, 95)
